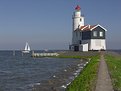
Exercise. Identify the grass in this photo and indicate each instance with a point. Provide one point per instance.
(77, 55)
(74, 56)
(87, 78)
(114, 65)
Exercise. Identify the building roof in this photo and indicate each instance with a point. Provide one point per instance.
(77, 8)
(90, 27)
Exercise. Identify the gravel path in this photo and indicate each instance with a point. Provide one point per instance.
(104, 80)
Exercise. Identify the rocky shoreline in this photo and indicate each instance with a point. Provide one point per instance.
(60, 80)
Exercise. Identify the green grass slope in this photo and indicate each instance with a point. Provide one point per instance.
(87, 78)
(114, 65)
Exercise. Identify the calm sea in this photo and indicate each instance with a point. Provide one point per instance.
(20, 73)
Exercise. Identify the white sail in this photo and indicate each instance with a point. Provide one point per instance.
(27, 48)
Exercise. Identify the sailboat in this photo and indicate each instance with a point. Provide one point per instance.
(27, 48)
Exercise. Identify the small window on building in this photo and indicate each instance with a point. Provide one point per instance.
(101, 34)
(95, 33)
(80, 42)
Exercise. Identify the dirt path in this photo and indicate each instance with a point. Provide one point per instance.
(103, 81)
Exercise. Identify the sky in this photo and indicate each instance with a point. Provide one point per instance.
(47, 24)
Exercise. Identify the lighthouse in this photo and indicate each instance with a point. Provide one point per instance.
(86, 37)
(78, 19)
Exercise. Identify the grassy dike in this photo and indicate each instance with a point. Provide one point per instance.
(114, 65)
(77, 55)
(87, 78)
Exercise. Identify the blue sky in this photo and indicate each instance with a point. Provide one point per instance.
(47, 24)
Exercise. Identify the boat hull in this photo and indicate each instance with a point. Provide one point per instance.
(26, 51)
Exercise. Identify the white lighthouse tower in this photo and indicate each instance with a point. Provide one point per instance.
(78, 21)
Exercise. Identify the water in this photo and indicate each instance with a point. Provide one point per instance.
(20, 73)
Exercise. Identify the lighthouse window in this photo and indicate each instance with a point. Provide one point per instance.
(80, 19)
(101, 34)
(95, 33)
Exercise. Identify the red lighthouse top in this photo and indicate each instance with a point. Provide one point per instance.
(77, 7)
